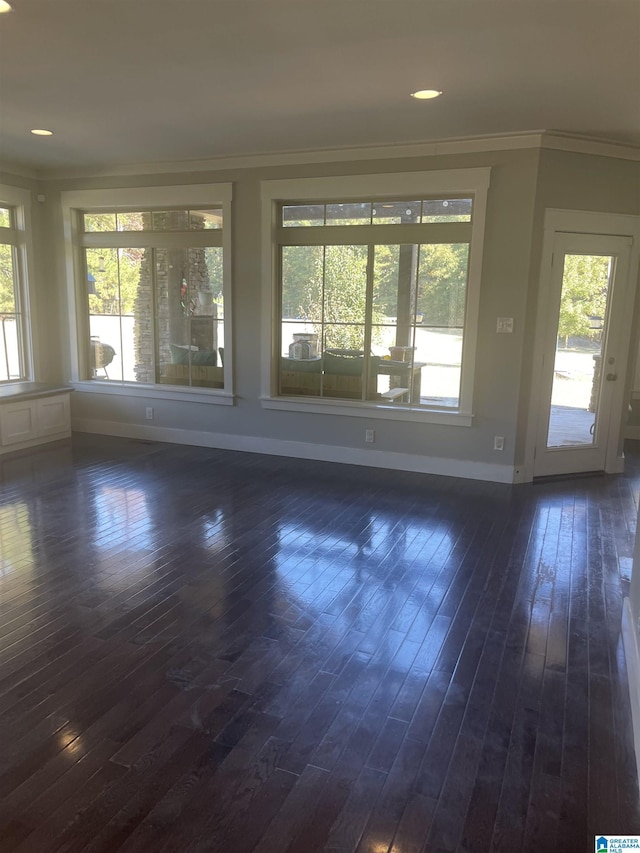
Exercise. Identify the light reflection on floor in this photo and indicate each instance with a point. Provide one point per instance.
(16, 543)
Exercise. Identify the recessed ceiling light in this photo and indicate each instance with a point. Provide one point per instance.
(5, 7)
(426, 94)
(41, 132)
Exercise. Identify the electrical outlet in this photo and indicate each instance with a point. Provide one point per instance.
(149, 413)
(369, 435)
(498, 442)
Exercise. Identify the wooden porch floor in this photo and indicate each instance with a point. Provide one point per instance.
(570, 425)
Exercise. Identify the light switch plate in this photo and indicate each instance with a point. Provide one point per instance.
(505, 325)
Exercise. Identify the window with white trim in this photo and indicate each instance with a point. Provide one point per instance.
(377, 296)
(14, 357)
(152, 288)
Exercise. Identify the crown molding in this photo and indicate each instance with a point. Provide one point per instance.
(559, 141)
(467, 145)
(16, 170)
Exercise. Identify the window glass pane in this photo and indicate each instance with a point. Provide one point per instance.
(5, 217)
(103, 285)
(442, 282)
(219, 335)
(300, 364)
(114, 284)
(212, 285)
(383, 337)
(154, 220)
(400, 375)
(7, 280)
(447, 210)
(132, 221)
(200, 220)
(300, 378)
(302, 282)
(296, 215)
(99, 221)
(10, 333)
(343, 338)
(352, 213)
(345, 286)
(395, 212)
(385, 283)
(300, 339)
(394, 284)
(117, 280)
(585, 301)
(440, 352)
(187, 327)
(208, 265)
(136, 282)
(393, 323)
(344, 367)
(10, 369)
(103, 282)
(103, 288)
(170, 220)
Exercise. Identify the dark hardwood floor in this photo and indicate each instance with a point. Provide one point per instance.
(213, 651)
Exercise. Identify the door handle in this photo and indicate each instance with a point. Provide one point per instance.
(611, 377)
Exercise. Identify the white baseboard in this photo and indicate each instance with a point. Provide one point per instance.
(304, 450)
(632, 655)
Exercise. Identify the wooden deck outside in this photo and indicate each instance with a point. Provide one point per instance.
(569, 425)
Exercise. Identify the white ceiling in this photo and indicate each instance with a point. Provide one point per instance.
(137, 81)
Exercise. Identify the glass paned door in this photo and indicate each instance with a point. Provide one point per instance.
(577, 366)
(585, 350)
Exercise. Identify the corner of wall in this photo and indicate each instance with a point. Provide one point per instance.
(632, 656)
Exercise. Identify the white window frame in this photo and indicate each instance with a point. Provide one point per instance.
(474, 182)
(189, 196)
(21, 238)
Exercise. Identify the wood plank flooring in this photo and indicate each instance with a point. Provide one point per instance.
(212, 651)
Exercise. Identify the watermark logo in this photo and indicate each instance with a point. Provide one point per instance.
(616, 843)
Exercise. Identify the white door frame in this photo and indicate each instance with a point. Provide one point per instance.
(582, 222)
(602, 453)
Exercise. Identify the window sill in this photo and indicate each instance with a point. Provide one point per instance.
(26, 390)
(367, 410)
(211, 396)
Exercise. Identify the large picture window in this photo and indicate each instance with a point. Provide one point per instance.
(375, 321)
(154, 285)
(375, 283)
